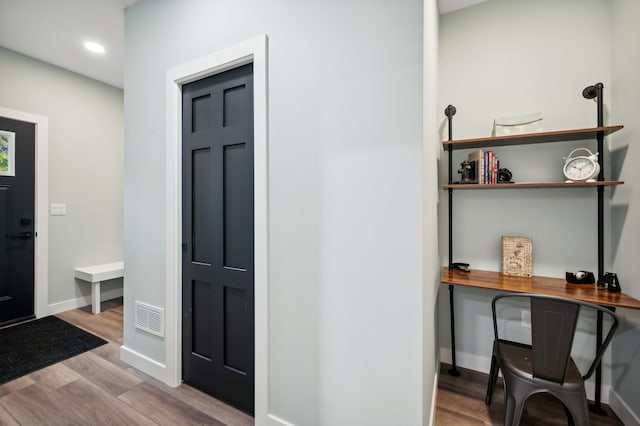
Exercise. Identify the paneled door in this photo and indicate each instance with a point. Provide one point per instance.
(218, 237)
(17, 207)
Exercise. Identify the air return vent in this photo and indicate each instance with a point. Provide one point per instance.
(150, 319)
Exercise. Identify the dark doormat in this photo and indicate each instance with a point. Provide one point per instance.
(30, 346)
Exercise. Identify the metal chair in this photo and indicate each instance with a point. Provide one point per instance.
(546, 364)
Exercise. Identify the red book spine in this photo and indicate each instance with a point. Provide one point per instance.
(494, 170)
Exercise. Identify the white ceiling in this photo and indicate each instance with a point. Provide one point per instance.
(54, 31)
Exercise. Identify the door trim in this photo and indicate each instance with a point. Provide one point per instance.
(251, 51)
(41, 221)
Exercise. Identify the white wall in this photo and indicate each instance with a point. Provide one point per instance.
(85, 167)
(345, 189)
(507, 57)
(626, 200)
(430, 192)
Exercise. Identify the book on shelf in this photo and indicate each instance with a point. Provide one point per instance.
(494, 168)
(478, 157)
(487, 166)
(485, 171)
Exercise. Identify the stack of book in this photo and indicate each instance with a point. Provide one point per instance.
(487, 166)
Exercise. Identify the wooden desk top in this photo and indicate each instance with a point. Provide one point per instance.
(539, 285)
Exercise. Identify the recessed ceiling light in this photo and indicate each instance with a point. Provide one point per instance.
(94, 47)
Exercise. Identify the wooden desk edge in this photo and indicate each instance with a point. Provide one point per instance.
(490, 280)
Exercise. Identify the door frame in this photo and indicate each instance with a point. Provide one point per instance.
(41, 214)
(250, 51)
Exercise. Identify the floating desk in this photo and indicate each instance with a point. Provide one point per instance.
(538, 285)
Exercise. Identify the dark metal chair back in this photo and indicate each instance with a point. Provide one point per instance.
(553, 325)
(546, 364)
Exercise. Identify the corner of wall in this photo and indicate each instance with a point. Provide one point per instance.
(622, 410)
(143, 363)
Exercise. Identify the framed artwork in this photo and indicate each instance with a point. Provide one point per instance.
(517, 256)
(7, 153)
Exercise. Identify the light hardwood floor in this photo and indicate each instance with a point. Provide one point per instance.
(96, 388)
(460, 402)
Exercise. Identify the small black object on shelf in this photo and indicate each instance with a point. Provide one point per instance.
(580, 277)
(468, 171)
(461, 266)
(504, 176)
(609, 283)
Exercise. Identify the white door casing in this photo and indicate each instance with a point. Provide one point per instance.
(41, 241)
(251, 51)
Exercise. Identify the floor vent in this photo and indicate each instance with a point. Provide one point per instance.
(150, 319)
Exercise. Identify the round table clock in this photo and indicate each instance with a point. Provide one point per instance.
(581, 168)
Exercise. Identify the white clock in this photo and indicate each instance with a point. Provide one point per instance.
(581, 168)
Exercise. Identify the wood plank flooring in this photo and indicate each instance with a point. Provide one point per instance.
(97, 388)
(460, 402)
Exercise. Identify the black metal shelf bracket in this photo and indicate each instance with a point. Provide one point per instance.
(591, 92)
(450, 111)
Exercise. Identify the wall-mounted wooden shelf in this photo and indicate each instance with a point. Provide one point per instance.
(532, 185)
(531, 138)
(539, 285)
(490, 280)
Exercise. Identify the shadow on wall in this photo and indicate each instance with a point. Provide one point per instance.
(619, 204)
(618, 218)
(617, 157)
(620, 368)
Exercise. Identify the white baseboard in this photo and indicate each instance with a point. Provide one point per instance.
(159, 371)
(622, 410)
(483, 364)
(81, 302)
(277, 421)
(143, 363)
(470, 361)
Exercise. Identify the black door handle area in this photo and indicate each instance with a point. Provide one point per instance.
(21, 235)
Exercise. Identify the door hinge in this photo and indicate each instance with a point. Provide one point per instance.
(184, 248)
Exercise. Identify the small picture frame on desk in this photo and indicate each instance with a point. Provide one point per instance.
(517, 256)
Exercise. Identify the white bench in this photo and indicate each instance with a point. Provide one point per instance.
(97, 273)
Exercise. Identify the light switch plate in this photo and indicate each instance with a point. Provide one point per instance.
(58, 209)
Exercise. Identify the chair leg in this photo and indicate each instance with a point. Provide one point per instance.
(567, 412)
(515, 395)
(575, 406)
(493, 377)
(509, 410)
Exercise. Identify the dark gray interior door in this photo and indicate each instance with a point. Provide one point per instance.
(17, 205)
(218, 270)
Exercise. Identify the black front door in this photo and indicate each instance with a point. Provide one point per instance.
(17, 202)
(217, 207)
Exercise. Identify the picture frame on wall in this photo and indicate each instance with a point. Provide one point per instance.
(517, 256)
(7, 153)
